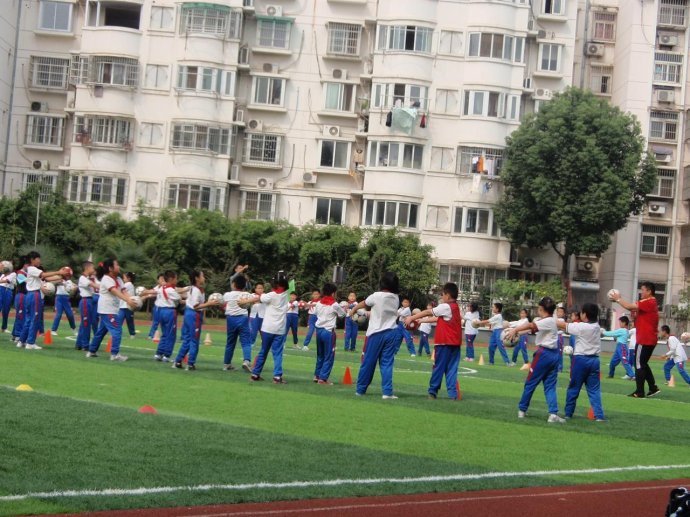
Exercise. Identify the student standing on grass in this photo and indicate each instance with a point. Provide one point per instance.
(291, 319)
(521, 346)
(155, 312)
(327, 313)
(111, 293)
(621, 335)
(63, 292)
(544, 365)
(256, 315)
(585, 367)
(424, 331)
(311, 320)
(87, 308)
(560, 318)
(403, 313)
(470, 330)
(19, 298)
(383, 335)
(237, 322)
(676, 355)
(167, 300)
(447, 341)
(647, 324)
(126, 314)
(351, 325)
(8, 281)
(273, 331)
(495, 341)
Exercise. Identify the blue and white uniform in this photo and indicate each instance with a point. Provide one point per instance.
(125, 314)
(292, 320)
(585, 368)
(621, 354)
(155, 314)
(495, 341)
(19, 309)
(33, 306)
(107, 307)
(470, 333)
(424, 333)
(326, 316)
(676, 357)
(311, 322)
(521, 346)
(351, 330)
(544, 365)
(63, 292)
(404, 312)
(8, 281)
(167, 300)
(272, 333)
(87, 312)
(237, 326)
(256, 319)
(191, 326)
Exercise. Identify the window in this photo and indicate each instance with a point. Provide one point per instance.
(450, 42)
(48, 72)
(217, 20)
(400, 94)
(659, 293)
(663, 125)
(335, 154)
(604, 26)
(269, 91)
(448, 101)
(162, 18)
(549, 57)
(340, 96)
(329, 211)
(200, 137)
(666, 183)
(601, 79)
(46, 182)
(395, 154)
(205, 79)
(204, 197)
(274, 34)
(556, 7)
(108, 131)
(390, 213)
(98, 189)
(116, 71)
(405, 37)
(655, 239)
(469, 279)
(472, 220)
(343, 39)
(496, 46)
(151, 134)
(157, 77)
(147, 192)
(442, 159)
(436, 217)
(55, 16)
(262, 149)
(491, 104)
(259, 205)
(480, 159)
(104, 13)
(672, 12)
(668, 67)
(44, 130)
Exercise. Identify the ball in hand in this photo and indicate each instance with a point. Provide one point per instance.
(137, 301)
(613, 294)
(568, 350)
(413, 325)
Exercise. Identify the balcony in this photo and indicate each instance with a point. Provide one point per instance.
(111, 40)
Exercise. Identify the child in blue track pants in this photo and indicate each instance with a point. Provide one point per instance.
(8, 281)
(447, 341)
(621, 335)
(544, 365)
(327, 313)
(167, 300)
(87, 308)
(470, 331)
(585, 369)
(292, 320)
(192, 321)
(521, 346)
(676, 355)
(311, 320)
(560, 318)
(424, 332)
(351, 325)
(237, 323)
(403, 313)
(383, 335)
(63, 291)
(19, 312)
(256, 315)
(273, 331)
(125, 313)
(495, 341)
(155, 314)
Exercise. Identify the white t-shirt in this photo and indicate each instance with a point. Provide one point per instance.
(676, 347)
(129, 289)
(547, 333)
(496, 321)
(231, 307)
(403, 312)
(108, 303)
(64, 288)
(632, 341)
(588, 337)
(167, 297)
(560, 332)
(276, 310)
(384, 311)
(442, 310)
(425, 328)
(469, 317)
(327, 315)
(85, 289)
(293, 307)
(33, 278)
(195, 297)
(9, 280)
(518, 323)
(312, 307)
(258, 310)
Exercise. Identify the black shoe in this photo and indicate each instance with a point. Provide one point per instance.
(177, 365)
(431, 396)
(636, 395)
(256, 378)
(653, 391)
(279, 380)
(191, 367)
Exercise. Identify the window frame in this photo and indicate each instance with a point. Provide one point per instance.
(222, 81)
(604, 26)
(270, 86)
(394, 38)
(148, 142)
(56, 3)
(329, 210)
(442, 96)
(162, 9)
(195, 134)
(53, 65)
(385, 96)
(599, 75)
(373, 208)
(273, 199)
(668, 67)
(660, 239)
(336, 145)
(275, 22)
(551, 11)
(444, 152)
(250, 146)
(194, 195)
(456, 40)
(466, 163)
(96, 188)
(661, 125)
(375, 148)
(103, 131)
(55, 132)
(342, 94)
(345, 42)
(559, 57)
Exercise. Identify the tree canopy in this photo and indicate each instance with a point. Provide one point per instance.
(573, 175)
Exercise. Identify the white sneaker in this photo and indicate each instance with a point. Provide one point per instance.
(510, 364)
(413, 355)
(54, 332)
(20, 344)
(165, 359)
(118, 357)
(626, 377)
(131, 337)
(89, 354)
(33, 347)
(555, 419)
(389, 397)
(305, 349)
(522, 414)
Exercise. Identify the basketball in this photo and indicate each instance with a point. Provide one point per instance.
(568, 350)
(48, 288)
(6, 266)
(215, 297)
(507, 340)
(685, 337)
(475, 323)
(613, 294)
(416, 311)
(138, 301)
(414, 325)
(140, 290)
(301, 305)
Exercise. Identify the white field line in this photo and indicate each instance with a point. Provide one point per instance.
(328, 483)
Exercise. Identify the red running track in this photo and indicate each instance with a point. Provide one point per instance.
(646, 499)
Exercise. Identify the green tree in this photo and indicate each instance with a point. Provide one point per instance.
(574, 173)
(519, 294)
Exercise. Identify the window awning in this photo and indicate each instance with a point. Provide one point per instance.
(206, 5)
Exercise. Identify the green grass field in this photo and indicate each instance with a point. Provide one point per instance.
(79, 430)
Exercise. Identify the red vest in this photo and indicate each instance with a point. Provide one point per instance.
(449, 332)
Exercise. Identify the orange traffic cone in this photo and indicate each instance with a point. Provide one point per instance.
(157, 336)
(590, 414)
(525, 367)
(109, 345)
(48, 338)
(347, 378)
(481, 360)
(457, 389)
(208, 341)
(672, 382)
(184, 359)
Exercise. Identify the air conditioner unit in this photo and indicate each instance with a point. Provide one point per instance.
(587, 265)
(234, 172)
(662, 157)
(657, 208)
(541, 34)
(39, 106)
(270, 68)
(527, 83)
(243, 57)
(309, 178)
(339, 73)
(264, 183)
(542, 94)
(665, 95)
(239, 115)
(274, 10)
(41, 165)
(255, 125)
(530, 263)
(594, 49)
(669, 40)
(331, 131)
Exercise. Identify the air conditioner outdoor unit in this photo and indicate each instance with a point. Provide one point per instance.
(339, 73)
(542, 94)
(587, 265)
(331, 131)
(255, 125)
(264, 183)
(239, 115)
(274, 10)
(309, 178)
(662, 158)
(270, 68)
(665, 95)
(530, 263)
(527, 83)
(594, 49)
(541, 34)
(657, 208)
(243, 57)
(669, 40)
(39, 106)
(41, 165)
(234, 172)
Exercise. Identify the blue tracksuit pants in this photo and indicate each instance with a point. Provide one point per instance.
(584, 370)
(19, 315)
(621, 356)
(446, 361)
(254, 328)
(237, 327)
(325, 353)
(62, 305)
(274, 343)
(291, 321)
(155, 321)
(126, 315)
(311, 324)
(423, 343)
(95, 321)
(544, 368)
(380, 347)
(668, 366)
(107, 323)
(469, 339)
(6, 296)
(496, 342)
(407, 337)
(521, 347)
(191, 334)
(87, 310)
(351, 331)
(167, 316)
(560, 350)
(33, 309)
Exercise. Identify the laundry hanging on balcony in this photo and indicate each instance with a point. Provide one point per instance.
(403, 119)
